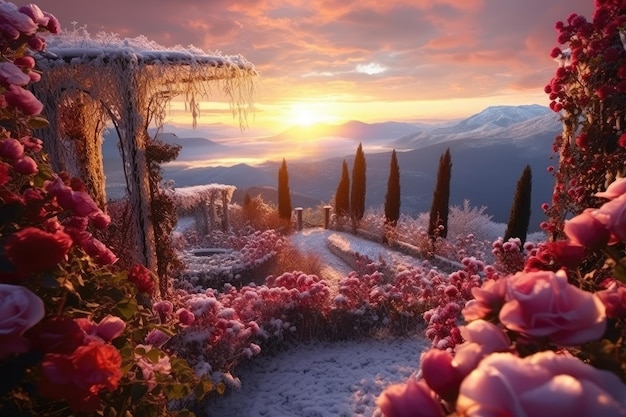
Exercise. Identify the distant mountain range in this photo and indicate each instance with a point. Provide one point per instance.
(489, 151)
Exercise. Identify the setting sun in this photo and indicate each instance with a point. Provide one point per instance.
(308, 114)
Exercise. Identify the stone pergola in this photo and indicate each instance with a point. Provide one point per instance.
(91, 83)
(202, 201)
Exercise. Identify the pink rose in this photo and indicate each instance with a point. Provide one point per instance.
(185, 317)
(78, 202)
(157, 338)
(32, 144)
(53, 24)
(163, 308)
(97, 250)
(413, 399)
(34, 12)
(50, 249)
(142, 278)
(106, 330)
(23, 100)
(439, 373)
(11, 149)
(487, 301)
(481, 339)
(586, 230)
(543, 304)
(20, 309)
(542, 385)
(612, 215)
(100, 220)
(614, 299)
(26, 166)
(37, 43)
(614, 190)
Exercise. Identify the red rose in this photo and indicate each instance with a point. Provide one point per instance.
(56, 335)
(97, 250)
(80, 377)
(26, 166)
(31, 250)
(142, 278)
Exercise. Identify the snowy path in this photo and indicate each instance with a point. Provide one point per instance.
(321, 379)
(325, 379)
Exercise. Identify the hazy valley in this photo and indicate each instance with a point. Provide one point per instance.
(489, 151)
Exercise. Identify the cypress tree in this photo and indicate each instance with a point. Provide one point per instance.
(441, 198)
(392, 198)
(342, 196)
(519, 219)
(284, 195)
(357, 191)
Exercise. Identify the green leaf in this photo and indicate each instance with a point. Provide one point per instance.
(126, 309)
(619, 270)
(147, 410)
(38, 122)
(176, 391)
(137, 391)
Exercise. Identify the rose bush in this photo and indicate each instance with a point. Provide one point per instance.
(73, 328)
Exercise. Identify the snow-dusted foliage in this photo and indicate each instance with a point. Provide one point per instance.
(190, 197)
(248, 252)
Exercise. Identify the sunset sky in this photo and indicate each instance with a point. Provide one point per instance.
(370, 60)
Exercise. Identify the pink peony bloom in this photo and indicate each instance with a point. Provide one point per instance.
(614, 190)
(50, 249)
(20, 309)
(586, 230)
(150, 366)
(13, 23)
(11, 149)
(542, 385)
(185, 317)
(413, 399)
(440, 375)
(23, 100)
(487, 301)
(543, 304)
(613, 216)
(26, 166)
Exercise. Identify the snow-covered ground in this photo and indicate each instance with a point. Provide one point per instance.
(320, 379)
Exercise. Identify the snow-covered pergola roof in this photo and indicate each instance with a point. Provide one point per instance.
(89, 81)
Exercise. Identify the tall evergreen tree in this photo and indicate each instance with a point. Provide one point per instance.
(284, 195)
(357, 191)
(441, 198)
(519, 219)
(392, 198)
(342, 196)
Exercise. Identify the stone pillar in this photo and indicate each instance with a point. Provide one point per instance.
(224, 210)
(327, 216)
(299, 218)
